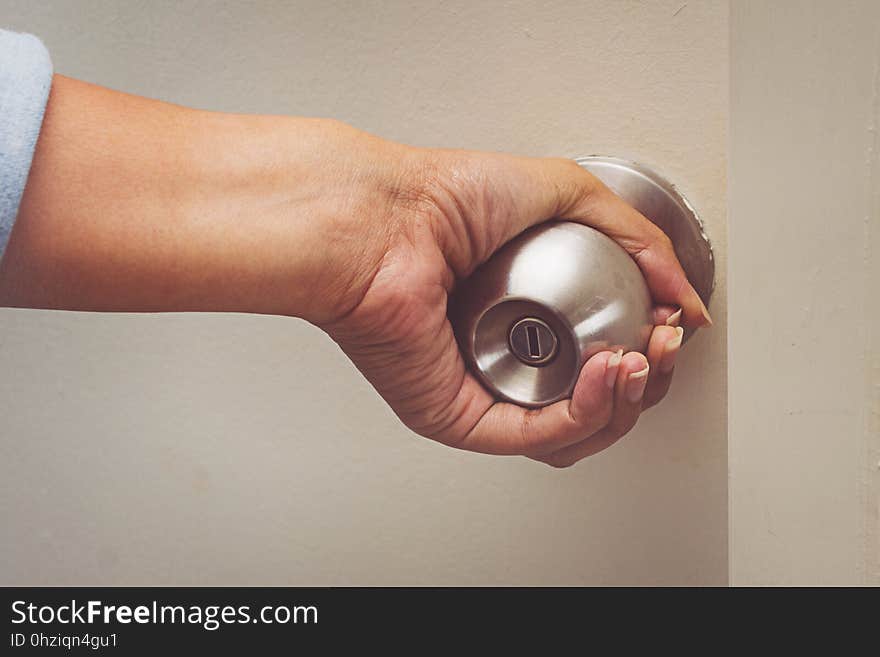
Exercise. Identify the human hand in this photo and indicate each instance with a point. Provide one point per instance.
(446, 213)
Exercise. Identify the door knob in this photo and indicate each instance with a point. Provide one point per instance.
(534, 313)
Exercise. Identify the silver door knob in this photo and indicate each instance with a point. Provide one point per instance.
(528, 319)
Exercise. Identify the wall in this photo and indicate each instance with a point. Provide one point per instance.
(212, 449)
(804, 347)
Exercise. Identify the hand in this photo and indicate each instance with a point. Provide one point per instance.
(137, 205)
(448, 211)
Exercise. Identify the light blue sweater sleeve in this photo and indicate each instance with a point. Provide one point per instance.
(25, 79)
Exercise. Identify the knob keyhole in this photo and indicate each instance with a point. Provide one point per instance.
(532, 341)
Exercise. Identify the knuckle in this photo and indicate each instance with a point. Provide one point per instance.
(652, 400)
(575, 169)
(655, 394)
(622, 424)
(576, 183)
(656, 241)
(620, 429)
(664, 241)
(657, 237)
(559, 462)
(563, 164)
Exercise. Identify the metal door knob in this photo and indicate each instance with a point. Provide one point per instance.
(530, 317)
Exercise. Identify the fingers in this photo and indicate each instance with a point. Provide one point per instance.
(545, 188)
(641, 383)
(666, 315)
(653, 252)
(611, 392)
(629, 389)
(509, 429)
(662, 349)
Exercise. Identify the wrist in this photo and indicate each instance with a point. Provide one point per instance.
(308, 208)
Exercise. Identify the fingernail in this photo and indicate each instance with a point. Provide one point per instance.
(670, 351)
(635, 384)
(611, 368)
(674, 318)
(706, 317)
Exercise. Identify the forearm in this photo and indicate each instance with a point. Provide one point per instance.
(139, 205)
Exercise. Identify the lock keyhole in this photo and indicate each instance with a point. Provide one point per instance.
(532, 341)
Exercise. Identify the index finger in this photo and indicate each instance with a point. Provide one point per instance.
(538, 189)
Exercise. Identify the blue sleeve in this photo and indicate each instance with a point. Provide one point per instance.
(25, 80)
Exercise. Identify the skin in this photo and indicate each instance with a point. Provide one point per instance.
(138, 205)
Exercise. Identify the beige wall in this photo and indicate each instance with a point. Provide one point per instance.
(217, 449)
(804, 345)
